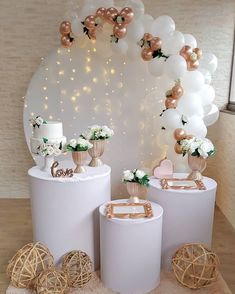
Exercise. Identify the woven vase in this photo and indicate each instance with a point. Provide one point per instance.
(135, 190)
(96, 152)
(197, 165)
(79, 158)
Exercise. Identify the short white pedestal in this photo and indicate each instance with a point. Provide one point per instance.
(188, 215)
(65, 210)
(131, 252)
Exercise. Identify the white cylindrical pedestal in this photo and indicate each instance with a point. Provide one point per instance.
(131, 252)
(65, 212)
(188, 215)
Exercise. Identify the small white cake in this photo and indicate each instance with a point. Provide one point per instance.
(52, 131)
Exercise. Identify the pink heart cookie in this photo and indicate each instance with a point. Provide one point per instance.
(164, 170)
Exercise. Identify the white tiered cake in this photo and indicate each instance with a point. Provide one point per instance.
(52, 131)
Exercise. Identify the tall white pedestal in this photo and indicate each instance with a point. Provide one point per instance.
(188, 215)
(65, 210)
(131, 252)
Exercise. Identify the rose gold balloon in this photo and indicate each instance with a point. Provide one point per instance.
(128, 14)
(65, 28)
(101, 12)
(177, 91)
(90, 22)
(119, 30)
(178, 148)
(147, 54)
(186, 51)
(147, 37)
(65, 41)
(179, 134)
(170, 103)
(156, 43)
(111, 14)
(198, 52)
(192, 65)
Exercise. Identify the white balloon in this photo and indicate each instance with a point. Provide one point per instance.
(168, 138)
(195, 126)
(175, 67)
(206, 74)
(212, 116)
(147, 21)
(70, 15)
(135, 31)
(171, 119)
(82, 41)
(208, 61)
(192, 81)
(134, 51)
(207, 94)
(190, 104)
(120, 47)
(103, 49)
(207, 109)
(162, 26)
(156, 66)
(103, 3)
(190, 40)
(77, 27)
(137, 7)
(173, 43)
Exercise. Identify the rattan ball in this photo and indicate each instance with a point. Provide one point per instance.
(52, 281)
(195, 266)
(78, 267)
(27, 263)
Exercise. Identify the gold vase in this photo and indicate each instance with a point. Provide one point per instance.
(135, 190)
(79, 158)
(96, 152)
(197, 165)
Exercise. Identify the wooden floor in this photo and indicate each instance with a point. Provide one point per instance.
(16, 231)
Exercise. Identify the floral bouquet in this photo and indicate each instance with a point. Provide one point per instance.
(98, 136)
(197, 147)
(97, 132)
(79, 149)
(48, 150)
(80, 144)
(198, 150)
(37, 121)
(136, 176)
(136, 182)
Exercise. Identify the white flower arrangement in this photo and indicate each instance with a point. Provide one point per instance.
(97, 132)
(197, 147)
(48, 149)
(37, 121)
(136, 176)
(80, 144)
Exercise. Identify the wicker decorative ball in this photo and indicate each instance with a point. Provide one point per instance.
(52, 281)
(27, 263)
(78, 267)
(195, 266)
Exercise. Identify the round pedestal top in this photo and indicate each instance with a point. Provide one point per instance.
(157, 213)
(90, 174)
(209, 183)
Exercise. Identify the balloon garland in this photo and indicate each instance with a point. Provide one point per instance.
(169, 53)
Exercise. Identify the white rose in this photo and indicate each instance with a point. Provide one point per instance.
(87, 134)
(39, 121)
(140, 174)
(205, 148)
(95, 128)
(50, 150)
(89, 145)
(73, 143)
(128, 175)
(103, 134)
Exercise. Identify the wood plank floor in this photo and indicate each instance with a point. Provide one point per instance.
(16, 231)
